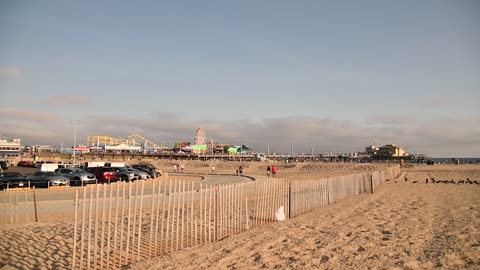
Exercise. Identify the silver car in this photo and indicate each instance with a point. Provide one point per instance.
(47, 179)
(78, 177)
(142, 175)
(125, 175)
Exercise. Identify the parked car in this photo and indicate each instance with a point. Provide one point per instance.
(78, 177)
(152, 175)
(4, 164)
(142, 175)
(147, 168)
(13, 180)
(24, 163)
(126, 175)
(46, 179)
(104, 174)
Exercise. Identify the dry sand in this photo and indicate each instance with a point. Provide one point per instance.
(296, 170)
(402, 226)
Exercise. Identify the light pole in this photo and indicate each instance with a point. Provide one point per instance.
(74, 140)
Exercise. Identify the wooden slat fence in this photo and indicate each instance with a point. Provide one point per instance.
(118, 224)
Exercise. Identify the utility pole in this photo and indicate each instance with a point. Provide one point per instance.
(74, 140)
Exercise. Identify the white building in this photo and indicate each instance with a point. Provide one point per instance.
(10, 149)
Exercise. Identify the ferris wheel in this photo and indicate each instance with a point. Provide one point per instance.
(199, 136)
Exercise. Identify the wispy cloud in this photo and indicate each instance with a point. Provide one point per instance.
(10, 72)
(60, 100)
(23, 116)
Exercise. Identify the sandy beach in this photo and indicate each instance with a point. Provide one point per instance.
(403, 225)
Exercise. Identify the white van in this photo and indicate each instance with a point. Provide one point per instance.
(50, 167)
(105, 164)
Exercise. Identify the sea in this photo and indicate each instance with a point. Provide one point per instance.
(460, 160)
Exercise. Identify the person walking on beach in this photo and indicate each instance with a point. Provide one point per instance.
(240, 170)
(268, 171)
(174, 167)
(181, 167)
(274, 170)
(213, 168)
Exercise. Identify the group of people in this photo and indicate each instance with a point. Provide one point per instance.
(178, 168)
(240, 170)
(271, 171)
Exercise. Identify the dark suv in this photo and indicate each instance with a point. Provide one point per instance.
(104, 174)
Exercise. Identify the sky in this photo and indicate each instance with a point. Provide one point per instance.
(332, 76)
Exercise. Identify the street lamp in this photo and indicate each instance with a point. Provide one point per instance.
(74, 140)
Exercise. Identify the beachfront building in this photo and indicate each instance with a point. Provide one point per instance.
(10, 149)
(371, 150)
(391, 150)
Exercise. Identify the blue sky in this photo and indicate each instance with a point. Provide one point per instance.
(330, 75)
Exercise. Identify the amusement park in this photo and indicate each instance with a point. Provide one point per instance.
(135, 143)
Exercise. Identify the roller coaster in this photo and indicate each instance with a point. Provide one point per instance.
(131, 140)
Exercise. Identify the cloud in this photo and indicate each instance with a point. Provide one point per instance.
(22, 116)
(438, 101)
(390, 120)
(440, 137)
(10, 72)
(60, 100)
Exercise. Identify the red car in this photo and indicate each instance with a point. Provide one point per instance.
(104, 174)
(24, 163)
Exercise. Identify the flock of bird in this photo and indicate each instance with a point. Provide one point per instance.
(433, 181)
(461, 181)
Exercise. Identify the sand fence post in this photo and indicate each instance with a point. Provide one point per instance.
(163, 217)
(247, 226)
(16, 208)
(82, 236)
(289, 195)
(115, 226)
(184, 215)
(192, 227)
(35, 204)
(102, 233)
(372, 188)
(152, 211)
(26, 208)
(89, 237)
(215, 221)
(95, 234)
(134, 227)
(210, 200)
(140, 221)
(128, 221)
(177, 218)
(122, 224)
(74, 253)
